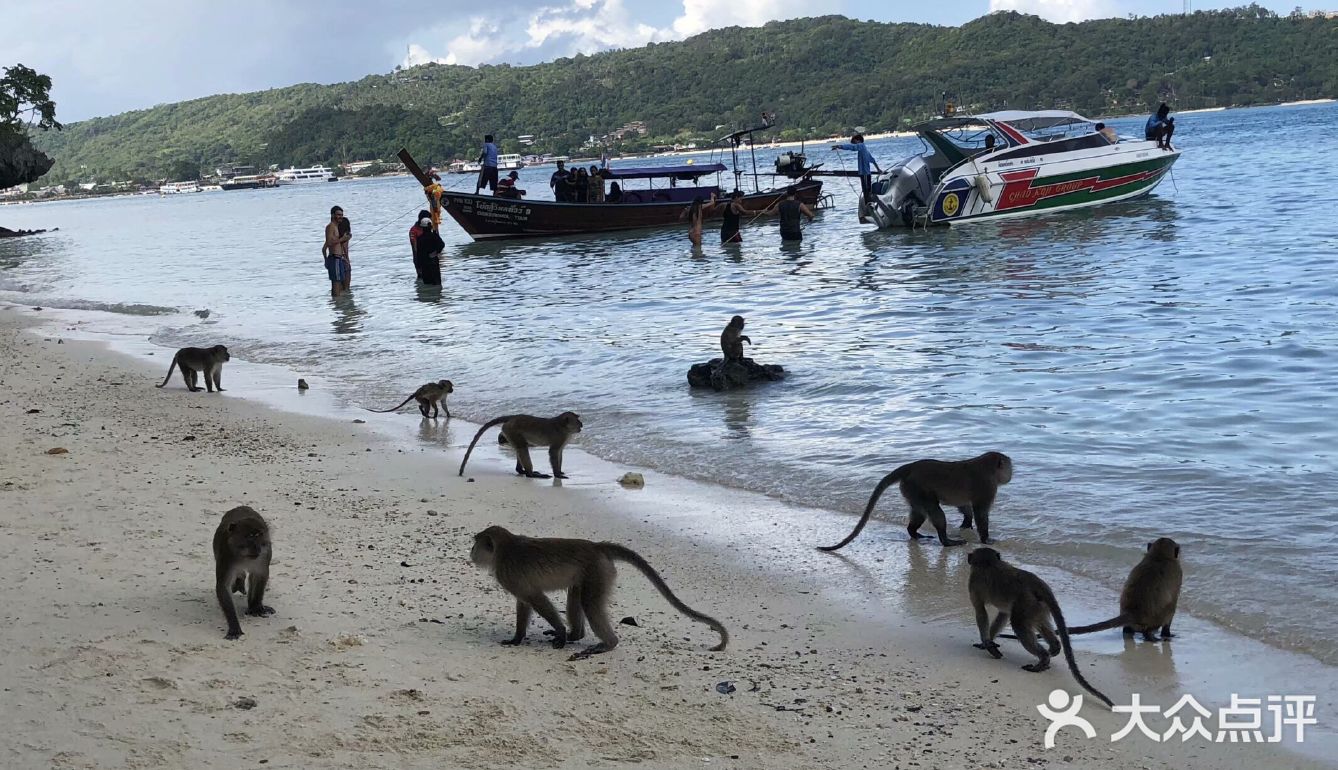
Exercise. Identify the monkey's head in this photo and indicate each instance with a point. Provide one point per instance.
(736, 322)
(1164, 548)
(1000, 464)
(484, 552)
(571, 422)
(984, 557)
(248, 538)
(222, 351)
(446, 386)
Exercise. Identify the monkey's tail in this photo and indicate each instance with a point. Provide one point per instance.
(170, 368)
(477, 436)
(1118, 620)
(623, 553)
(393, 408)
(1062, 629)
(888, 480)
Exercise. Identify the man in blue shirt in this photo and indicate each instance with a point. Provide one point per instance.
(1160, 127)
(558, 181)
(488, 158)
(866, 160)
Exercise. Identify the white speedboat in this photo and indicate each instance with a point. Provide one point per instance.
(305, 175)
(1036, 162)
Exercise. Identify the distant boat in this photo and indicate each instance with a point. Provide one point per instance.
(1041, 161)
(305, 175)
(177, 188)
(211, 188)
(249, 182)
(509, 163)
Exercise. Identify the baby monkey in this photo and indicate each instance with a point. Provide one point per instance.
(200, 361)
(529, 567)
(428, 396)
(732, 339)
(523, 431)
(1150, 595)
(1022, 598)
(241, 563)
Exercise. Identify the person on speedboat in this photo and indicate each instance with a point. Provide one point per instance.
(1108, 132)
(1160, 127)
(865, 159)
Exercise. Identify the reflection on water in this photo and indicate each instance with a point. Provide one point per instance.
(1158, 367)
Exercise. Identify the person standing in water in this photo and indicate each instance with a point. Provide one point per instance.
(427, 251)
(414, 232)
(730, 212)
(693, 214)
(791, 209)
(865, 161)
(335, 251)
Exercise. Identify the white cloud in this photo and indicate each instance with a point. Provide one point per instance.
(588, 26)
(1059, 11)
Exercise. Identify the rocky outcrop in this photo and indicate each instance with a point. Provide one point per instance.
(20, 162)
(6, 233)
(718, 375)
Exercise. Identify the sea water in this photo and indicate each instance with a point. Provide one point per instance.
(1159, 367)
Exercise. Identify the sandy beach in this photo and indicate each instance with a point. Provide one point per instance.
(383, 651)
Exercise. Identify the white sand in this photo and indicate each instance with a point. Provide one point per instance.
(383, 651)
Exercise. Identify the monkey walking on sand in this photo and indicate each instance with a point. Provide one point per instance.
(523, 431)
(970, 485)
(199, 361)
(529, 567)
(1024, 600)
(241, 564)
(428, 396)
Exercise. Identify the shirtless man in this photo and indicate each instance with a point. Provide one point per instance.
(335, 251)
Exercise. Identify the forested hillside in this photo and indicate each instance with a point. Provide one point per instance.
(820, 75)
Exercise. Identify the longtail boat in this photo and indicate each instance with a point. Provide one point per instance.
(489, 217)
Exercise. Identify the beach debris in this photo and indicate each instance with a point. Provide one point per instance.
(302, 384)
(359, 422)
(161, 682)
(719, 375)
(405, 564)
(725, 688)
(632, 480)
(431, 512)
(58, 450)
(244, 703)
(347, 640)
(34, 411)
(37, 308)
(188, 438)
(202, 313)
(629, 621)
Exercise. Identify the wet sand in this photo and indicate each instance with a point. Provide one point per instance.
(383, 651)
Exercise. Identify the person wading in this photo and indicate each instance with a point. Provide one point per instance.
(791, 209)
(335, 251)
(427, 251)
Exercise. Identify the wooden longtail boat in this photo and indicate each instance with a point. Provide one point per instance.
(488, 217)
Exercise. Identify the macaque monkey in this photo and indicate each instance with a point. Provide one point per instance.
(428, 396)
(1150, 595)
(731, 339)
(241, 563)
(522, 431)
(197, 361)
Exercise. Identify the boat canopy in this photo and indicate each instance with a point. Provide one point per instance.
(1022, 120)
(686, 172)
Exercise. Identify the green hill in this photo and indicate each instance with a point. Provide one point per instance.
(820, 75)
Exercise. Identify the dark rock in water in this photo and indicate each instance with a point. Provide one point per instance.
(7, 233)
(718, 375)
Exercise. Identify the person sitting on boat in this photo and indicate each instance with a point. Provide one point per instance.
(595, 186)
(558, 181)
(730, 213)
(507, 187)
(615, 193)
(1108, 132)
(989, 145)
(866, 160)
(1160, 127)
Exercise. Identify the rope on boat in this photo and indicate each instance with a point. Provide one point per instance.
(387, 224)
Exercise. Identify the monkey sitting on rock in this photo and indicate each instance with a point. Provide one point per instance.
(733, 369)
(529, 567)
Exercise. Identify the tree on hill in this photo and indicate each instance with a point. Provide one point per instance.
(25, 101)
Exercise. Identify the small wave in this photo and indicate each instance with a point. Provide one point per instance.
(122, 308)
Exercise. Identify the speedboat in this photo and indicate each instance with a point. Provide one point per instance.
(1012, 164)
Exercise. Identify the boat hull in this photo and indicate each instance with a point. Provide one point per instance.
(485, 217)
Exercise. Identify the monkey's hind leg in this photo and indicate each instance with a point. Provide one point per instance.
(191, 379)
(423, 405)
(1027, 635)
(917, 520)
(548, 612)
(1051, 639)
(594, 601)
(1166, 632)
(255, 599)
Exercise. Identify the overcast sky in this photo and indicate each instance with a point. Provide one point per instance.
(108, 56)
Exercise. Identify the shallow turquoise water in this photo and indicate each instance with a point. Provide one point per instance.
(1162, 367)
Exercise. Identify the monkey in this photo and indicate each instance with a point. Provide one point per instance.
(1150, 595)
(523, 431)
(528, 567)
(241, 564)
(1024, 600)
(428, 396)
(968, 484)
(197, 361)
(731, 341)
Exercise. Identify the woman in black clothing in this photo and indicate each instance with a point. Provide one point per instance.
(427, 253)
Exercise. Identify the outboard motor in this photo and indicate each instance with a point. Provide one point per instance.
(791, 164)
(901, 193)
